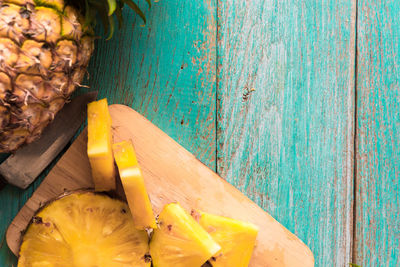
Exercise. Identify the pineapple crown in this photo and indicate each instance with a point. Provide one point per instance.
(107, 10)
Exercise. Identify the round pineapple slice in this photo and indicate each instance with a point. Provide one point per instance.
(84, 229)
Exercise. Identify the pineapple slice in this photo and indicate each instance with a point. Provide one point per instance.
(133, 183)
(237, 239)
(99, 146)
(81, 230)
(180, 241)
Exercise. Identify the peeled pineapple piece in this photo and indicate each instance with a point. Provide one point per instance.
(99, 146)
(133, 184)
(180, 241)
(84, 229)
(236, 238)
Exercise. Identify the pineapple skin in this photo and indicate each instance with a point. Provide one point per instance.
(180, 241)
(99, 147)
(44, 53)
(133, 184)
(84, 229)
(236, 238)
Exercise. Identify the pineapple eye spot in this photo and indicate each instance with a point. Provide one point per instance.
(37, 220)
(46, 46)
(123, 211)
(147, 258)
(169, 226)
(24, 13)
(195, 215)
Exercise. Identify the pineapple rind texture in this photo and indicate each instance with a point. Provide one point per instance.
(180, 241)
(99, 147)
(133, 184)
(236, 238)
(84, 229)
(39, 39)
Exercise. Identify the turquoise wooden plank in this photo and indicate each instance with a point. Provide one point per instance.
(289, 144)
(11, 200)
(165, 70)
(377, 224)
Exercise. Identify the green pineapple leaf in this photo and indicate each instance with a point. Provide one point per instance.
(112, 5)
(135, 8)
(111, 23)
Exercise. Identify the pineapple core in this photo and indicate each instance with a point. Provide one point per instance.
(180, 241)
(133, 184)
(82, 230)
(236, 238)
(99, 146)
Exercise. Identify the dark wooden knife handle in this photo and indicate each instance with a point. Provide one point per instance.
(3, 182)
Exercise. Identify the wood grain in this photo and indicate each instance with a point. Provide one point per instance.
(289, 144)
(377, 236)
(172, 174)
(165, 71)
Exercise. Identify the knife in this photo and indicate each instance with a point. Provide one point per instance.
(26, 164)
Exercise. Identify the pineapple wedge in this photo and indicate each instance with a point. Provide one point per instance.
(84, 229)
(133, 184)
(236, 238)
(180, 241)
(99, 146)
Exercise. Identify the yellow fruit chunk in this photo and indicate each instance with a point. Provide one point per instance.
(99, 146)
(180, 241)
(236, 238)
(82, 230)
(133, 183)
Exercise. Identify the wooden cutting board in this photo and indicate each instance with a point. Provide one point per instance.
(171, 174)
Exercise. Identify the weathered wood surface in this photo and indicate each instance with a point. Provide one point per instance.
(165, 70)
(289, 144)
(377, 232)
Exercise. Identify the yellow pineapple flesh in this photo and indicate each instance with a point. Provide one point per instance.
(180, 241)
(84, 229)
(99, 147)
(236, 238)
(133, 184)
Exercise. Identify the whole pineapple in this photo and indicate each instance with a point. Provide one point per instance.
(45, 47)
